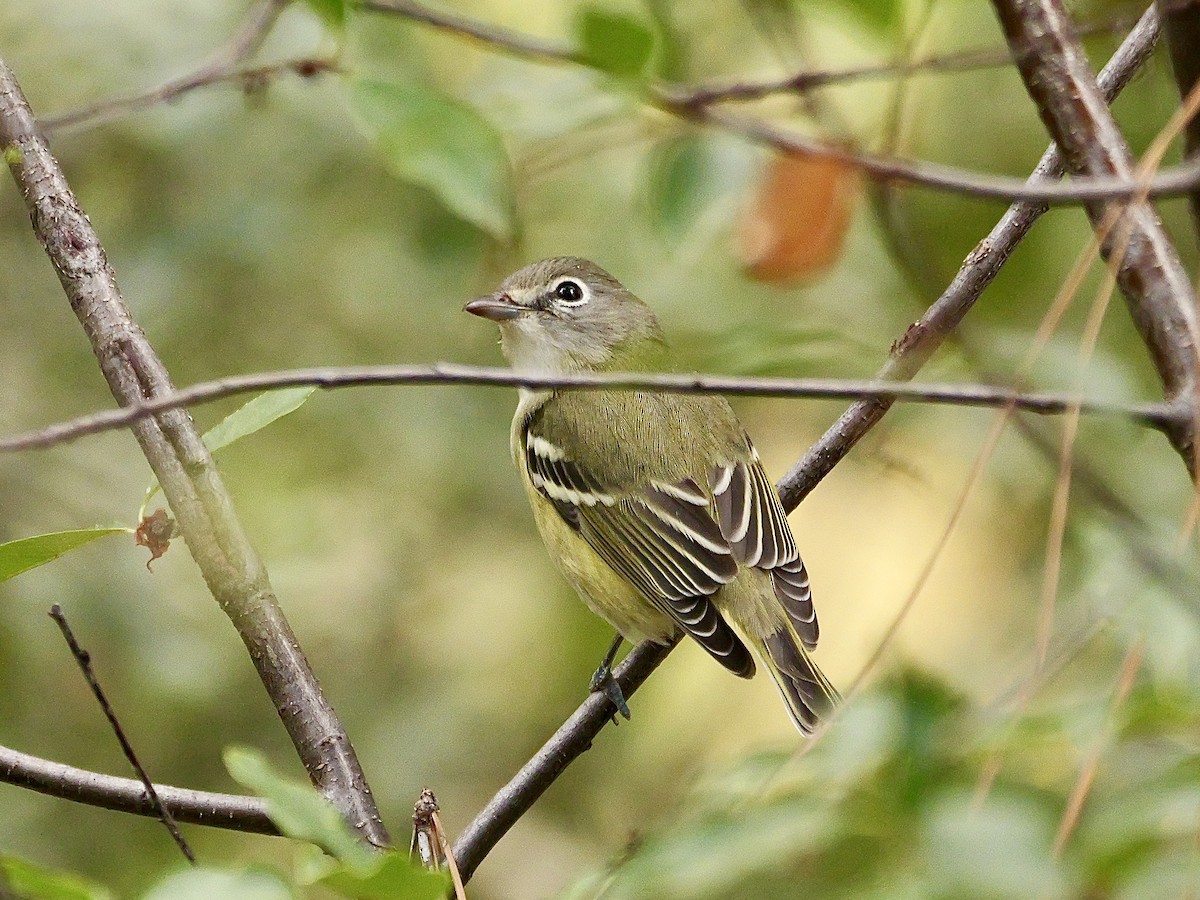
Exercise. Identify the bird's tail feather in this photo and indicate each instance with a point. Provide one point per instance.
(807, 693)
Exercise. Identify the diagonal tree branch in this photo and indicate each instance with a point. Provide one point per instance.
(128, 795)
(909, 353)
(571, 740)
(183, 466)
(982, 265)
(1157, 289)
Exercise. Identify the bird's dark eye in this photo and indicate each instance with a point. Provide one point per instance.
(569, 292)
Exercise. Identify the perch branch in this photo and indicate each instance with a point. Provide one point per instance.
(568, 743)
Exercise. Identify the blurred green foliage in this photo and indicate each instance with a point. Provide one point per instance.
(344, 220)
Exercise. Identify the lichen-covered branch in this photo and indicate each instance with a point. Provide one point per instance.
(183, 466)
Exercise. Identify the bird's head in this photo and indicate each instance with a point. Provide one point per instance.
(566, 314)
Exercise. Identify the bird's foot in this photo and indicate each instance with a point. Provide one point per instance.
(603, 682)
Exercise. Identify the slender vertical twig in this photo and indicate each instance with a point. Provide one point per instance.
(84, 659)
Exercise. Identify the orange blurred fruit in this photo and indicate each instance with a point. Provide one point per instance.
(795, 225)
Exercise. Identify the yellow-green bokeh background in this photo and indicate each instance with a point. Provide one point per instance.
(264, 231)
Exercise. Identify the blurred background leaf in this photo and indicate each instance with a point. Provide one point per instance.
(448, 148)
(28, 880)
(614, 42)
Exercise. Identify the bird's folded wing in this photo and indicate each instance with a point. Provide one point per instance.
(662, 538)
(754, 523)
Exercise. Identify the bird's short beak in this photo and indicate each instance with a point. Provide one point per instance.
(499, 307)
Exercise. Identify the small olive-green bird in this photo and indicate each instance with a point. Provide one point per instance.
(655, 506)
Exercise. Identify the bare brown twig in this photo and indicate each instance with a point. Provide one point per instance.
(84, 659)
(223, 67)
(429, 844)
(691, 104)
(1156, 415)
(572, 739)
(743, 90)
(251, 78)
(183, 466)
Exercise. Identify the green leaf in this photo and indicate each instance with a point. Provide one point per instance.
(613, 42)
(332, 12)
(395, 878)
(205, 884)
(298, 809)
(682, 180)
(31, 882)
(254, 415)
(28, 553)
(882, 16)
(441, 145)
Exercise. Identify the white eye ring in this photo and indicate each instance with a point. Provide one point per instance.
(570, 292)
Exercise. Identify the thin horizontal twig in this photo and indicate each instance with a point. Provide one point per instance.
(1171, 182)
(690, 104)
(1157, 415)
(128, 795)
(251, 78)
(745, 89)
(245, 43)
